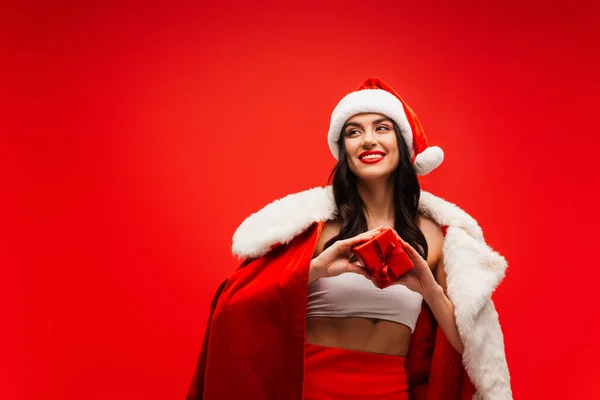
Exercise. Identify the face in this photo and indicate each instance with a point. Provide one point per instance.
(371, 146)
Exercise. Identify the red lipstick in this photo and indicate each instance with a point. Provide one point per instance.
(375, 156)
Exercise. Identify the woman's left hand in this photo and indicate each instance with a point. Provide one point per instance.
(420, 279)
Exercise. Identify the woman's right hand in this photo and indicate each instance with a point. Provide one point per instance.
(335, 259)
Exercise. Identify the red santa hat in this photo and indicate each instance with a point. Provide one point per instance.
(376, 96)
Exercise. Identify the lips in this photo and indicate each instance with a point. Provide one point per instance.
(371, 157)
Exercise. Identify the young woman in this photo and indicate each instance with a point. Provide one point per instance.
(301, 320)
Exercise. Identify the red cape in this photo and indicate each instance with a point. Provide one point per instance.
(254, 342)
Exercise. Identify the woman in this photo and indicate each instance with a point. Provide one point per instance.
(300, 320)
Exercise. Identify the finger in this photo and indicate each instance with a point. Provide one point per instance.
(402, 241)
(358, 270)
(376, 230)
(354, 260)
(414, 257)
(409, 249)
(363, 237)
(347, 244)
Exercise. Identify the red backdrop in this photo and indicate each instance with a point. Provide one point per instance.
(135, 139)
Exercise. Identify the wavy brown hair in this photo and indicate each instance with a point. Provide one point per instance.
(351, 208)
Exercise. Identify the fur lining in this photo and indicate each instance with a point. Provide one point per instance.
(282, 220)
(473, 270)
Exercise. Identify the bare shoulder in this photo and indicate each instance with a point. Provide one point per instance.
(435, 239)
(330, 230)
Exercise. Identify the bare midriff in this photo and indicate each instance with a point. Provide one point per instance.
(358, 333)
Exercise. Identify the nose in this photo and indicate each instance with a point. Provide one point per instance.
(369, 139)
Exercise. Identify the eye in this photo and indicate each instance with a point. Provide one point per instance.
(383, 128)
(352, 132)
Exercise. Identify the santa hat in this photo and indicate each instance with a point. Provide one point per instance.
(376, 96)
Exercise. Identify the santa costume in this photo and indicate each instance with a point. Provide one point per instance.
(255, 340)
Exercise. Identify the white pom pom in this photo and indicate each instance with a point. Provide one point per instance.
(428, 160)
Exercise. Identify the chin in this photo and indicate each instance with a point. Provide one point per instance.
(373, 174)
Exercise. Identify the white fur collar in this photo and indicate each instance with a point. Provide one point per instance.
(283, 219)
(473, 271)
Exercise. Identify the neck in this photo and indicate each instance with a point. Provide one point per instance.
(378, 197)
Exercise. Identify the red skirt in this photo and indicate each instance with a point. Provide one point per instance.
(332, 373)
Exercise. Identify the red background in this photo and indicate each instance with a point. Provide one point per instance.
(135, 139)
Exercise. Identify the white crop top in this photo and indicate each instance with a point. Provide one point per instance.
(353, 295)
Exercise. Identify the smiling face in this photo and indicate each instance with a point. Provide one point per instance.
(371, 146)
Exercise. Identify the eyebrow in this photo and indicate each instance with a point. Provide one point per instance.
(377, 121)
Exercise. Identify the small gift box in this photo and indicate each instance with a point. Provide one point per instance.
(384, 258)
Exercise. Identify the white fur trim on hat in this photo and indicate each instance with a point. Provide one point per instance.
(363, 101)
(428, 160)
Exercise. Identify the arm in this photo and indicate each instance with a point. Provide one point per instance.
(442, 307)
(432, 286)
(313, 274)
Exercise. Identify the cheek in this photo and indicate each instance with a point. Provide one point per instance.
(351, 145)
(392, 147)
(391, 143)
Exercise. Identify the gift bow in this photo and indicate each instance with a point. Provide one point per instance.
(382, 272)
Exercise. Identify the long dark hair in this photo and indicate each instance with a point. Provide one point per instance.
(351, 208)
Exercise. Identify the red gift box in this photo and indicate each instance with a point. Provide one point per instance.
(384, 258)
